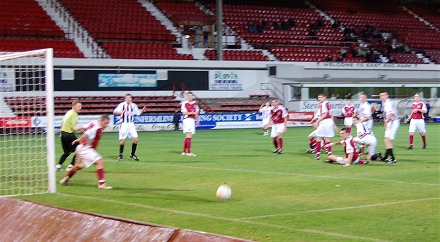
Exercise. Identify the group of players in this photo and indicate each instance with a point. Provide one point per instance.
(361, 119)
(85, 146)
(274, 115)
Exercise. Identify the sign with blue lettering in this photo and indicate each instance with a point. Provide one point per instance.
(127, 80)
(225, 80)
(207, 121)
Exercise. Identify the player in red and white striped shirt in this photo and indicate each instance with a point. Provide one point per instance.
(278, 120)
(87, 154)
(416, 121)
(190, 109)
(348, 111)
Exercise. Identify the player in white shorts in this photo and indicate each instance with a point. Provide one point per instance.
(190, 110)
(391, 123)
(324, 126)
(364, 112)
(265, 114)
(351, 154)
(278, 120)
(349, 111)
(126, 111)
(365, 137)
(416, 121)
(87, 154)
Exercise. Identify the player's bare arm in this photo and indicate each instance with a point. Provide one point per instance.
(80, 139)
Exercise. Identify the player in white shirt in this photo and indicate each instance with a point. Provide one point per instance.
(391, 123)
(126, 111)
(265, 114)
(365, 137)
(364, 112)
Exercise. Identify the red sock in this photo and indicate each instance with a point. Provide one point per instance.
(185, 145)
(275, 143)
(100, 173)
(329, 149)
(424, 140)
(280, 143)
(312, 142)
(411, 140)
(188, 144)
(318, 147)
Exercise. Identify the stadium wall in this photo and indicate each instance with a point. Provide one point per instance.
(27, 221)
(234, 79)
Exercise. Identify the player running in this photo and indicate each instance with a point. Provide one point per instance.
(87, 154)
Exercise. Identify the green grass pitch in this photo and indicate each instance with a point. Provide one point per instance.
(289, 197)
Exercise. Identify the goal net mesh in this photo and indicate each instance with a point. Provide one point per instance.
(26, 94)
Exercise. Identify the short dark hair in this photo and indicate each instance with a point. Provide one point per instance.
(75, 102)
(104, 117)
(128, 94)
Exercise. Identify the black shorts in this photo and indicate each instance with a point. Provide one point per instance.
(66, 142)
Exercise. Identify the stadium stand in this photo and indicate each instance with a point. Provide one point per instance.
(138, 35)
(319, 30)
(213, 105)
(238, 55)
(32, 29)
(91, 104)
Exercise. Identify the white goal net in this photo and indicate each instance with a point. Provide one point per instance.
(27, 164)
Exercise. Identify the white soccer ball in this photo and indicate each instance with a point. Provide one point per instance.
(224, 192)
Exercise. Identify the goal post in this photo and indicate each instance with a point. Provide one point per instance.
(27, 158)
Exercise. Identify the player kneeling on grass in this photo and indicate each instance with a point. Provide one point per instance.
(351, 154)
(86, 152)
(366, 138)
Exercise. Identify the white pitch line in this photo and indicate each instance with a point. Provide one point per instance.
(229, 219)
(343, 208)
(291, 174)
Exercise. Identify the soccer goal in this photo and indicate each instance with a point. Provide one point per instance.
(27, 159)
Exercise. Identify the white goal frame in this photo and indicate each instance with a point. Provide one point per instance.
(11, 61)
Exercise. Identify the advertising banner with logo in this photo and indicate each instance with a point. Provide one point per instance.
(15, 122)
(336, 105)
(127, 80)
(7, 79)
(41, 121)
(229, 80)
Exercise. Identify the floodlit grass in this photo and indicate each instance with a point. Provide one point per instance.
(289, 197)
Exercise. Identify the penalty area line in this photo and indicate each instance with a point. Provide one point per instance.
(342, 208)
(289, 174)
(228, 219)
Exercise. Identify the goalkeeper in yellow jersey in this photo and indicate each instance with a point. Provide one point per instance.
(68, 129)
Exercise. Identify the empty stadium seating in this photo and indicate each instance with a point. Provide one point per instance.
(24, 25)
(26, 106)
(238, 55)
(125, 29)
(139, 35)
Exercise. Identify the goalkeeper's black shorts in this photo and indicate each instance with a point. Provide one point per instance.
(66, 142)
